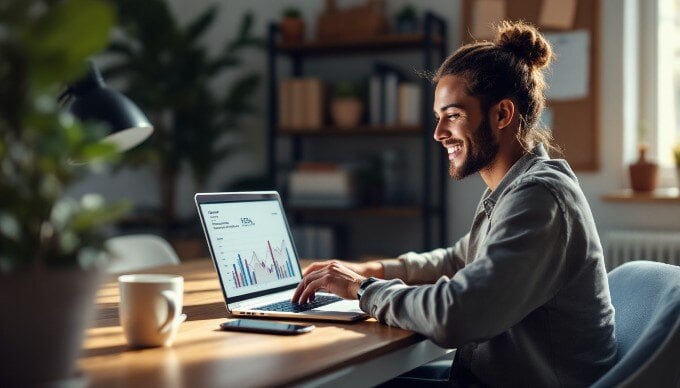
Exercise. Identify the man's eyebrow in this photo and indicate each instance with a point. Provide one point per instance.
(452, 105)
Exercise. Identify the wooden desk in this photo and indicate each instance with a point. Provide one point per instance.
(355, 354)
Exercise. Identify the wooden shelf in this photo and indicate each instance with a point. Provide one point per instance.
(374, 211)
(668, 195)
(363, 130)
(388, 42)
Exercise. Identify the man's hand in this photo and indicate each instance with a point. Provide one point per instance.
(368, 269)
(332, 276)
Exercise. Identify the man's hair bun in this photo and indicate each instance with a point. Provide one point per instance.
(525, 42)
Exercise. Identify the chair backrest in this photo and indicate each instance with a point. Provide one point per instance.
(646, 299)
(139, 251)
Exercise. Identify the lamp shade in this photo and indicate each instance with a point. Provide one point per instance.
(93, 101)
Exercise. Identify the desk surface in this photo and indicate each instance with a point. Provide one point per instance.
(202, 355)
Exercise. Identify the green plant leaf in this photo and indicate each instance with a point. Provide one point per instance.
(200, 25)
(87, 219)
(241, 90)
(64, 37)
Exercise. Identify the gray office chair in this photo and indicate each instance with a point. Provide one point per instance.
(138, 251)
(646, 297)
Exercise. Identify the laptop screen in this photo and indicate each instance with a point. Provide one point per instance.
(251, 246)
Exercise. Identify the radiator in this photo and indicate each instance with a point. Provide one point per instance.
(627, 245)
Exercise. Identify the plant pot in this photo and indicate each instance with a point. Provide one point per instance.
(45, 313)
(346, 112)
(643, 173)
(292, 30)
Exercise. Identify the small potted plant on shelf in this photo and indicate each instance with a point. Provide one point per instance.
(407, 20)
(50, 262)
(346, 106)
(643, 173)
(292, 26)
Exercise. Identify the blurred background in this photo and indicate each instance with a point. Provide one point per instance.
(240, 102)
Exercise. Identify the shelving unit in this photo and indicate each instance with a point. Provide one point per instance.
(431, 45)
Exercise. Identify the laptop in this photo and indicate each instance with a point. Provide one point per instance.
(256, 261)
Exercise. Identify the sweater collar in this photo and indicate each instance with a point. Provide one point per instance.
(518, 169)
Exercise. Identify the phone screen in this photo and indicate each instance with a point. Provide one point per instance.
(258, 326)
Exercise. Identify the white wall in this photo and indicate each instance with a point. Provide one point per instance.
(618, 114)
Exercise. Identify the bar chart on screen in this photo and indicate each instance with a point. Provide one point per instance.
(251, 245)
(270, 264)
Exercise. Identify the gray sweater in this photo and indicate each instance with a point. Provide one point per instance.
(524, 295)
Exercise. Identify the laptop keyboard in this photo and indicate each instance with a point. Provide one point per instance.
(288, 306)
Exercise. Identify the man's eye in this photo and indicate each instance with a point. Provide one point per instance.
(454, 116)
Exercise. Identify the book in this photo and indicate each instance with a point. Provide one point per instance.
(313, 95)
(297, 103)
(301, 103)
(285, 101)
(323, 185)
(384, 93)
(375, 100)
(391, 85)
(409, 105)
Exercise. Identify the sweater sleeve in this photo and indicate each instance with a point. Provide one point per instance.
(427, 267)
(517, 269)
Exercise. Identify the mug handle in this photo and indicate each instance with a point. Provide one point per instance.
(172, 310)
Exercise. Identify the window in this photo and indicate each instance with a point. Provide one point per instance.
(660, 77)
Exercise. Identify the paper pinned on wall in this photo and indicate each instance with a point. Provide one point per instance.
(486, 13)
(558, 14)
(569, 77)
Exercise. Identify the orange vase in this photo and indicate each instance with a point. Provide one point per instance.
(643, 173)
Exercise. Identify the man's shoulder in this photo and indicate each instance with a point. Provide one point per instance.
(556, 177)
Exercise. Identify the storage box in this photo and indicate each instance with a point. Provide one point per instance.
(351, 24)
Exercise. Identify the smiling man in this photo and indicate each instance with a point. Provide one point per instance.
(524, 295)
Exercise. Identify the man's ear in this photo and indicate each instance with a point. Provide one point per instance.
(503, 113)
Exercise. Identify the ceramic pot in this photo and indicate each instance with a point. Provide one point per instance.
(292, 30)
(45, 312)
(643, 173)
(346, 112)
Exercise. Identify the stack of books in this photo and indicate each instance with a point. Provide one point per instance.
(321, 185)
(393, 98)
(301, 103)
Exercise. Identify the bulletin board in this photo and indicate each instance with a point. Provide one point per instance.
(574, 121)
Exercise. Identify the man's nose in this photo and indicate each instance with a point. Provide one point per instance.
(439, 133)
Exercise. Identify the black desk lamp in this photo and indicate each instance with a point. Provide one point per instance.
(93, 101)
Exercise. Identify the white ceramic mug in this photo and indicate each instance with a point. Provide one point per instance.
(151, 308)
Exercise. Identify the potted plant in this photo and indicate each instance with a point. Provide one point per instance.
(292, 26)
(407, 20)
(171, 76)
(50, 262)
(643, 173)
(346, 106)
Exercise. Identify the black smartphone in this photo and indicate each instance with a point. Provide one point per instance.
(271, 327)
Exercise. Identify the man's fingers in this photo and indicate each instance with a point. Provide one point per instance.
(303, 284)
(312, 287)
(314, 267)
(298, 291)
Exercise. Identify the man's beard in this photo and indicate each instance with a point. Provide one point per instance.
(481, 152)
